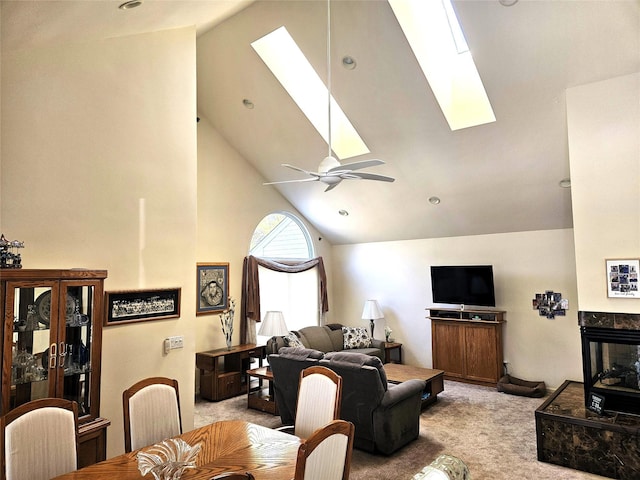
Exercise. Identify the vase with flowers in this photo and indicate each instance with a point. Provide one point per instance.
(387, 333)
(226, 320)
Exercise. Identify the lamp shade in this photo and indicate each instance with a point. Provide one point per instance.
(273, 325)
(371, 310)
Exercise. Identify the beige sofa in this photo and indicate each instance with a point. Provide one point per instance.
(325, 338)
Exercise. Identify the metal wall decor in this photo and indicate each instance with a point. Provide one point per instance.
(9, 256)
(549, 304)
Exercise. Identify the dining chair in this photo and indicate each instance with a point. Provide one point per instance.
(233, 476)
(151, 412)
(326, 454)
(39, 439)
(319, 400)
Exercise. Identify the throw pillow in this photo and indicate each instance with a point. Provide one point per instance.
(290, 340)
(356, 337)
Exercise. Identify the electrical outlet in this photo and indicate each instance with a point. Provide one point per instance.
(171, 343)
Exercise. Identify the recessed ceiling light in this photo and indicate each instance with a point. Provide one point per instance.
(248, 103)
(130, 4)
(434, 200)
(344, 213)
(348, 62)
(565, 183)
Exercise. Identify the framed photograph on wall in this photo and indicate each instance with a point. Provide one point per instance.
(141, 305)
(212, 288)
(622, 278)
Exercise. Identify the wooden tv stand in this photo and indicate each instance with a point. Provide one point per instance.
(467, 344)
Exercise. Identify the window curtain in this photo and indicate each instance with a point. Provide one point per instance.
(250, 304)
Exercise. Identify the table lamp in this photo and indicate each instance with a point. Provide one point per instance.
(273, 325)
(371, 312)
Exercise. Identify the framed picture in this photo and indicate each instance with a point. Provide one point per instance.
(212, 288)
(141, 305)
(622, 278)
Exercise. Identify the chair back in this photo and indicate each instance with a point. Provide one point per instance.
(319, 400)
(39, 439)
(151, 410)
(234, 476)
(326, 454)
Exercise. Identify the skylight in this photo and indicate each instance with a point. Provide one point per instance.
(436, 38)
(288, 64)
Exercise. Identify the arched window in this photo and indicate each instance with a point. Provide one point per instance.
(282, 236)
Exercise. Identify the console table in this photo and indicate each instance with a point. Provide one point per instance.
(223, 371)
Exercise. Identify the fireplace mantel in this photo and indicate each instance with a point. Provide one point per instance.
(616, 321)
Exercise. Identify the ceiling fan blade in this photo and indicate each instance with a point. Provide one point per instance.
(314, 179)
(373, 176)
(332, 186)
(374, 162)
(298, 169)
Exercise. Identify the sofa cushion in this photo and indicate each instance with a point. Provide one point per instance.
(316, 337)
(356, 337)
(337, 340)
(298, 353)
(359, 359)
(291, 340)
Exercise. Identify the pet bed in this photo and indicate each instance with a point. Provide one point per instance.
(516, 386)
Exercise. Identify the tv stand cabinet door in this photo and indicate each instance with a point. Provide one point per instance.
(447, 346)
(483, 353)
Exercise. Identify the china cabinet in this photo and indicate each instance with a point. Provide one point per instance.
(51, 345)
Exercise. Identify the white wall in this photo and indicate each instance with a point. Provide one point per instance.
(526, 263)
(89, 133)
(104, 166)
(231, 203)
(604, 148)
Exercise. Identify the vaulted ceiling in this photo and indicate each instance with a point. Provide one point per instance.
(499, 177)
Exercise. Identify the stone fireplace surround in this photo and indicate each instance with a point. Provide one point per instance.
(571, 435)
(611, 358)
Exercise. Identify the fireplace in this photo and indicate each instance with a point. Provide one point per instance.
(611, 360)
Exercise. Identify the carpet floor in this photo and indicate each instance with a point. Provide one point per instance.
(493, 433)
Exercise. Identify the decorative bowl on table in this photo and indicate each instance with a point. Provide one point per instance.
(169, 459)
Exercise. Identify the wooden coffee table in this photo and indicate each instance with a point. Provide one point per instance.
(398, 373)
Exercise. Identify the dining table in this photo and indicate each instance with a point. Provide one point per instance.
(226, 446)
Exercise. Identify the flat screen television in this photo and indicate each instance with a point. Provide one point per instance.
(464, 285)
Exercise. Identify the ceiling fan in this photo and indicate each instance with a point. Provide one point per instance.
(330, 171)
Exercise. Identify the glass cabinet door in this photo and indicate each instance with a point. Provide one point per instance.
(77, 343)
(33, 342)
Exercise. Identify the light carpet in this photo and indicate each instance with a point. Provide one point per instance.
(493, 433)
